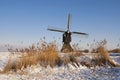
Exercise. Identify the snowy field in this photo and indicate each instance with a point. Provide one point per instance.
(60, 73)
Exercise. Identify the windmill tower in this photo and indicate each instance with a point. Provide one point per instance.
(67, 36)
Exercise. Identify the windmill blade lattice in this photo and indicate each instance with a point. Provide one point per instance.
(55, 29)
(79, 33)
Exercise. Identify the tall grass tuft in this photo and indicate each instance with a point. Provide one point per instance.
(47, 54)
(9, 65)
(102, 58)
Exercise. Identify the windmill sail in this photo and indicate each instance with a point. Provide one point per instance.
(68, 25)
(79, 33)
(68, 28)
(57, 30)
(67, 36)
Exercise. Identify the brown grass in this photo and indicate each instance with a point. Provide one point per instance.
(8, 66)
(44, 54)
(69, 59)
(102, 56)
(117, 50)
(48, 54)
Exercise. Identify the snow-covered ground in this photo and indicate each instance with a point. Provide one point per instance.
(60, 73)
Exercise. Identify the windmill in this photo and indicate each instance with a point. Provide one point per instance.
(67, 36)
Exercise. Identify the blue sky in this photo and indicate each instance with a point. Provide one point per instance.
(26, 21)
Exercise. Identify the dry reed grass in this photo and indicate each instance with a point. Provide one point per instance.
(8, 66)
(44, 54)
(102, 58)
(69, 58)
(117, 50)
(48, 54)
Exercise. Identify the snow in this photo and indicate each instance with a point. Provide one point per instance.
(69, 72)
